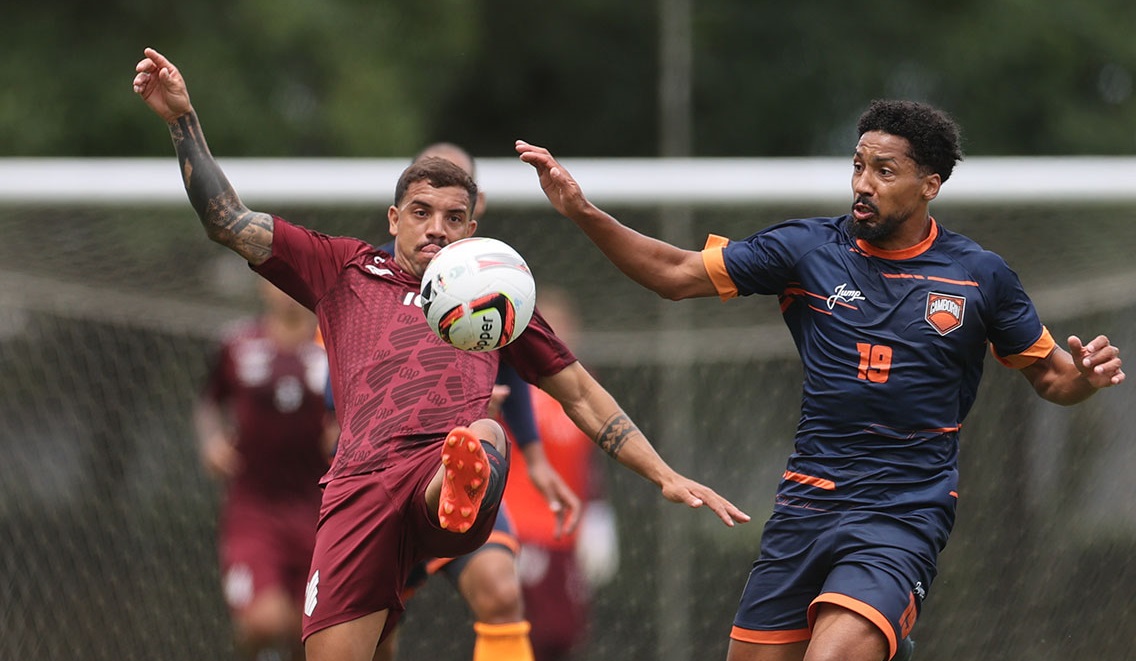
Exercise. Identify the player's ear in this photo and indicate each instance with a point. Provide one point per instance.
(931, 185)
(392, 220)
(472, 227)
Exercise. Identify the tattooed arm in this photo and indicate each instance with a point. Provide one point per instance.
(226, 219)
(595, 411)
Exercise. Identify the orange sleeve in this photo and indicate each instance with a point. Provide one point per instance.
(716, 266)
(1038, 350)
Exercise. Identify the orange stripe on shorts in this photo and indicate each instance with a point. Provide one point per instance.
(770, 637)
(811, 480)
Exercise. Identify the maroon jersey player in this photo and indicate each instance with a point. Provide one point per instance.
(410, 479)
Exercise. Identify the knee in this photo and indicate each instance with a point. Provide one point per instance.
(490, 430)
(491, 587)
(498, 602)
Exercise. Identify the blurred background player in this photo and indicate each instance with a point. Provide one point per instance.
(261, 430)
(560, 570)
(487, 579)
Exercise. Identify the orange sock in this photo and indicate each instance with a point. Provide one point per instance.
(502, 642)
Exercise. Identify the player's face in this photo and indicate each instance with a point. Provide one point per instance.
(427, 220)
(890, 192)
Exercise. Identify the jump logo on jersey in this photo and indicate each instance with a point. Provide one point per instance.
(843, 294)
(944, 311)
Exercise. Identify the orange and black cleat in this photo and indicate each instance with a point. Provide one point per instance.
(465, 482)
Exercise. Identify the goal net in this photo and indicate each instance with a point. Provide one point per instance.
(111, 300)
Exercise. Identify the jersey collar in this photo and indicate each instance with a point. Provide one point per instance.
(904, 253)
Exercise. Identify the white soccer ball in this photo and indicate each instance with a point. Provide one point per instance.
(478, 294)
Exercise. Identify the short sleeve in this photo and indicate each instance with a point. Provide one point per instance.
(1017, 336)
(538, 352)
(306, 264)
(1036, 351)
(716, 266)
(764, 263)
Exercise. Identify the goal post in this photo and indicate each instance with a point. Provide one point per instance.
(618, 181)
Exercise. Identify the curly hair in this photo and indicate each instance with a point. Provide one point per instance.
(440, 172)
(932, 133)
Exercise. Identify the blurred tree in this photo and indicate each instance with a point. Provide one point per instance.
(578, 77)
(354, 78)
(270, 77)
(1055, 78)
(1022, 78)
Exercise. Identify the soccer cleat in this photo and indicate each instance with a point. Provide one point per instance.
(905, 650)
(463, 486)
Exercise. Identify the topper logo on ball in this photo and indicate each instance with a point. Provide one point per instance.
(478, 294)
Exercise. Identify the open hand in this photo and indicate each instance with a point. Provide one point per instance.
(696, 495)
(558, 185)
(161, 86)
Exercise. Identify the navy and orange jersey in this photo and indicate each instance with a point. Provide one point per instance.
(397, 386)
(892, 344)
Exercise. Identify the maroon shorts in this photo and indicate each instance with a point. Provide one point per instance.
(263, 546)
(372, 530)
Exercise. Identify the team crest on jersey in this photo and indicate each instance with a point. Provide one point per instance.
(944, 311)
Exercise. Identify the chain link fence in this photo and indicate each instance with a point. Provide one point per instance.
(108, 316)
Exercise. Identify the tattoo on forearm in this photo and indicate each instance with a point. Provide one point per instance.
(615, 433)
(226, 219)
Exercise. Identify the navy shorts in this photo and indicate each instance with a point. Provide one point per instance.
(879, 565)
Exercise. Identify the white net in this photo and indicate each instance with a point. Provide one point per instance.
(111, 298)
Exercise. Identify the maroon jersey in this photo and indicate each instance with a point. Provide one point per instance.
(396, 385)
(276, 399)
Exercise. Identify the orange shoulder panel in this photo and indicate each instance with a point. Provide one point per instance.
(716, 266)
(1038, 350)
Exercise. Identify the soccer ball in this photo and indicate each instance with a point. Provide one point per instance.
(478, 294)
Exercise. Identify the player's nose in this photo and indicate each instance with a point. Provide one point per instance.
(436, 225)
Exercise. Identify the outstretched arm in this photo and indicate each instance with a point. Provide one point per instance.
(1068, 377)
(227, 221)
(597, 413)
(665, 269)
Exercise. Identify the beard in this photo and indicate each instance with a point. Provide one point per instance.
(882, 228)
(878, 228)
